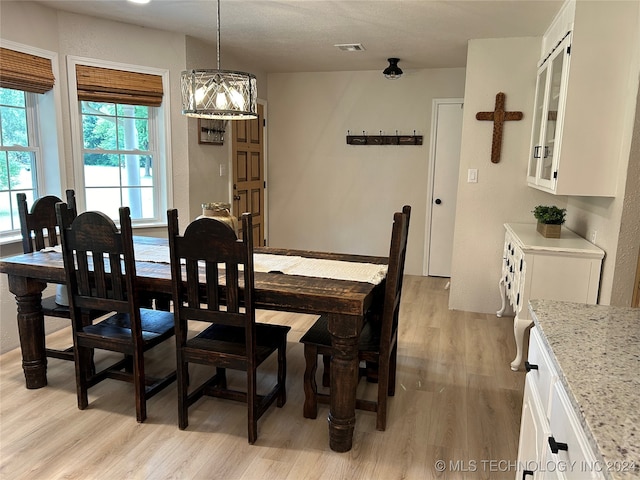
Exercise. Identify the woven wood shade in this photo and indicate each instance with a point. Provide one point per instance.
(97, 84)
(26, 72)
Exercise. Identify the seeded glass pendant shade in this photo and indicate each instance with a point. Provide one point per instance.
(219, 94)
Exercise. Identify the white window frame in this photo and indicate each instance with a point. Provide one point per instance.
(45, 118)
(161, 127)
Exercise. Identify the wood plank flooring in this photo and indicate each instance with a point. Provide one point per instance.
(456, 400)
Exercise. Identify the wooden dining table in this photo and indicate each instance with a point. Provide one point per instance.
(343, 301)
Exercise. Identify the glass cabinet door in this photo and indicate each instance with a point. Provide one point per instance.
(536, 140)
(549, 105)
(551, 123)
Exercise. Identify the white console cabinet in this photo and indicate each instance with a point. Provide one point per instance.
(553, 444)
(535, 267)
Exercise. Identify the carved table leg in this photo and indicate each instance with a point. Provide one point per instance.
(519, 327)
(28, 294)
(502, 297)
(344, 331)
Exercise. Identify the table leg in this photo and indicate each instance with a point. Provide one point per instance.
(345, 331)
(502, 297)
(28, 294)
(520, 326)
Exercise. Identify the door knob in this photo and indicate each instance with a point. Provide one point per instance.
(438, 201)
(236, 197)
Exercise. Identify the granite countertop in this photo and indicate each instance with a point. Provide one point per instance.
(596, 351)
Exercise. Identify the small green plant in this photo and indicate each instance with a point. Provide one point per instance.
(550, 215)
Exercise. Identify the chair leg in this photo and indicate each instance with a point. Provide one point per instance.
(128, 365)
(182, 376)
(372, 372)
(392, 371)
(252, 407)
(282, 374)
(221, 374)
(310, 409)
(383, 387)
(139, 387)
(83, 361)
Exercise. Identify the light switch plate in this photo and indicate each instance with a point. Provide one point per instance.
(472, 175)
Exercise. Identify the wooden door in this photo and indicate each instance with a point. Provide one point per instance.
(248, 172)
(445, 159)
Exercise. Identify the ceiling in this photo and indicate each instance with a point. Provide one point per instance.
(299, 35)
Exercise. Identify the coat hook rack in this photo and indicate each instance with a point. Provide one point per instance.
(382, 139)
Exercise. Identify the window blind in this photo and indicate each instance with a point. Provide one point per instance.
(98, 84)
(24, 71)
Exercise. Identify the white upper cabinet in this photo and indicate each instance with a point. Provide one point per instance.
(550, 91)
(581, 99)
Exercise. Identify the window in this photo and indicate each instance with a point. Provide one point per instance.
(120, 156)
(26, 83)
(18, 154)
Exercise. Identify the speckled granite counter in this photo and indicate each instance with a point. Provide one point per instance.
(596, 351)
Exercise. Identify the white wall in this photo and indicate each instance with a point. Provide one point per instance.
(327, 195)
(501, 194)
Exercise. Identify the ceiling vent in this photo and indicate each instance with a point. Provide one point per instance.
(350, 47)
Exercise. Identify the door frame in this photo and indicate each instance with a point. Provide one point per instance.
(265, 156)
(430, 172)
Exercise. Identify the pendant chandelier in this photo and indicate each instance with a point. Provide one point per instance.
(219, 94)
(393, 71)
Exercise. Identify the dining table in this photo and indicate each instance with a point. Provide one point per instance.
(344, 301)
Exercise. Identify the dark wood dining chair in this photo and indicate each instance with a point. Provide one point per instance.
(233, 340)
(101, 275)
(378, 346)
(39, 228)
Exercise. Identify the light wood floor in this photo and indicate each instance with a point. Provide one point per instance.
(456, 400)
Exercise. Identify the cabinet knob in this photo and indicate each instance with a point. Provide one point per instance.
(438, 201)
(557, 446)
(530, 366)
(525, 473)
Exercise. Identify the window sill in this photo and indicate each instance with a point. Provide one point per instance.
(10, 239)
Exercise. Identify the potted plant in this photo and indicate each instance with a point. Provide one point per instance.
(550, 218)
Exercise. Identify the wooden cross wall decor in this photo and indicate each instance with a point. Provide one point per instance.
(499, 116)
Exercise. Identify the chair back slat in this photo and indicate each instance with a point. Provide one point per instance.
(213, 295)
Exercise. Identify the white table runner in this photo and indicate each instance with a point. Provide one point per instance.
(287, 264)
